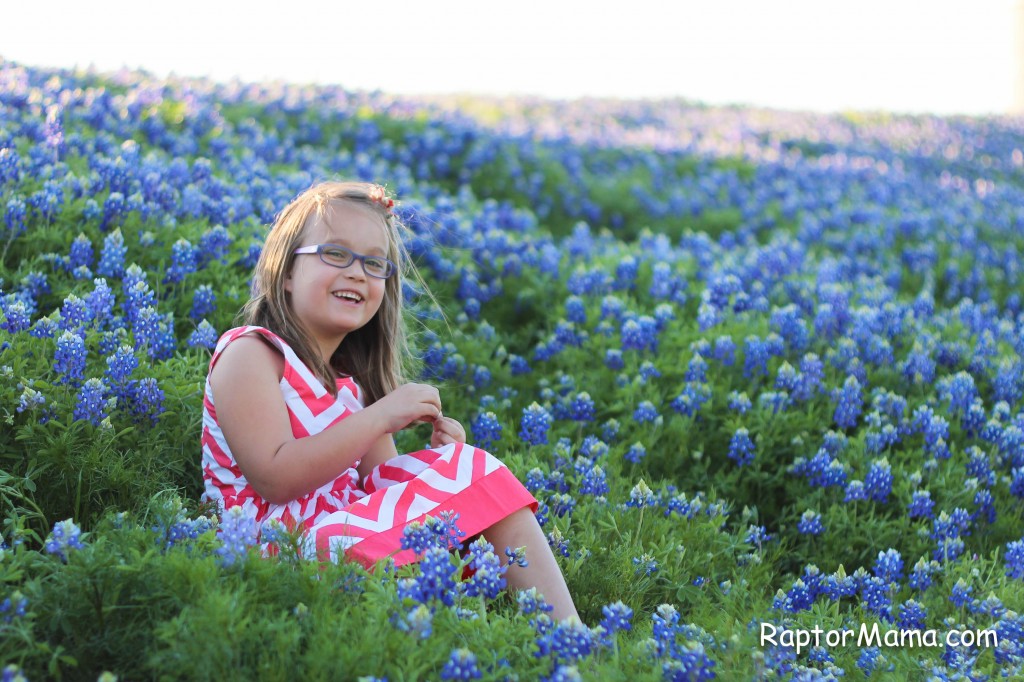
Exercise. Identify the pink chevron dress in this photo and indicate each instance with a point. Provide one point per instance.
(359, 520)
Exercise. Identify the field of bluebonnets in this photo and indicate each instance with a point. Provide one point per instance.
(756, 366)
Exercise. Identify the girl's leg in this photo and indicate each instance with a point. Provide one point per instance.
(521, 529)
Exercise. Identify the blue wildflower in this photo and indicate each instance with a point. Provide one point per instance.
(111, 263)
(91, 405)
(486, 429)
(741, 448)
(65, 536)
(535, 424)
(237, 533)
(810, 523)
(203, 336)
(961, 593)
(921, 505)
(461, 666)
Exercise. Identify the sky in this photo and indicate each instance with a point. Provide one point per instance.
(939, 56)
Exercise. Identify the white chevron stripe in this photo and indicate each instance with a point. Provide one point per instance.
(463, 474)
(384, 520)
(420, 506)
(316, 423)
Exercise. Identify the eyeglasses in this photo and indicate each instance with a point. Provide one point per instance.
(341, 257)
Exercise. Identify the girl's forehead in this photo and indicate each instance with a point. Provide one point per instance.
(350, 222)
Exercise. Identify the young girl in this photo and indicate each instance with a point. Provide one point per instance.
(301, 403)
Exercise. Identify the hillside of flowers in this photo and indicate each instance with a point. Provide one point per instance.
(762, 370)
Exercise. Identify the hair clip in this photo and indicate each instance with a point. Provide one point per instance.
(379, 196)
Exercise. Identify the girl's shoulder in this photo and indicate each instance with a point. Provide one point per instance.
(251, 347)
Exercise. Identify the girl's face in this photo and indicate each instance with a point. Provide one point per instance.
(330, 301)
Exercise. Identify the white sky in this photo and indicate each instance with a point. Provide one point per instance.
(943, 56)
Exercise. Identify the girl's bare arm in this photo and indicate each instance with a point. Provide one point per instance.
(252, 413)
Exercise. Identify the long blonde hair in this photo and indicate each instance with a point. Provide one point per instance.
(376, 355)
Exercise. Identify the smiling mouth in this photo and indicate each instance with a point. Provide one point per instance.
(350, 296)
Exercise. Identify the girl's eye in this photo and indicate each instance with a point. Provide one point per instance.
(376, 264)
(337, 255)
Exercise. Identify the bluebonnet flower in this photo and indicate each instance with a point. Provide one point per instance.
(120, 366)
(146, 400)
(612, 307)
(639, 334)
(74, 314)
(516, 557)
(112, 255)
(919, 367)
(488, 579)
(739, 402)
(1014, 559)
(617, 618)
(486, 429)
(12, 607)
(65, 536)
(613, 359)
(708, 316)
(69, 358)
(889, 566)
(810, 523)
(418, 536)
(648, 370)
(874, 594)
(985, 506)
(921, 576)
(636, 453)
(567, 641)
(755, 357)
(961, 593)
(645, 564)
(531, 601)
(10, 161)
(237, 533)
(869, 659)
(16, 316)
(14, 215)
(575, 310)
(204, 302)
(855, 491)
(418, 622)
(878, 482)
(203, 336)
(562, 504)
(461, 666)
(610, 430)
(81, 253)
(741, 448)
(911, 615)
(113, 208)
(921, 505)
(558, 543)
(959, 390)
(641, 496)
(30, 399)
(535, 480)
(91, 405)
(100, 301)
(725, 350)
(645, 412)
(535, 424)
(850, 403)
(947, 530)
(757, 536)
(581, 407)
(694, 396)
(594, 482)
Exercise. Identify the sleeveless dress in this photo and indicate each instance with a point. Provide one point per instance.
(358, 520)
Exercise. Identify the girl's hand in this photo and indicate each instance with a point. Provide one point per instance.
(407, 404)
(447, 431)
